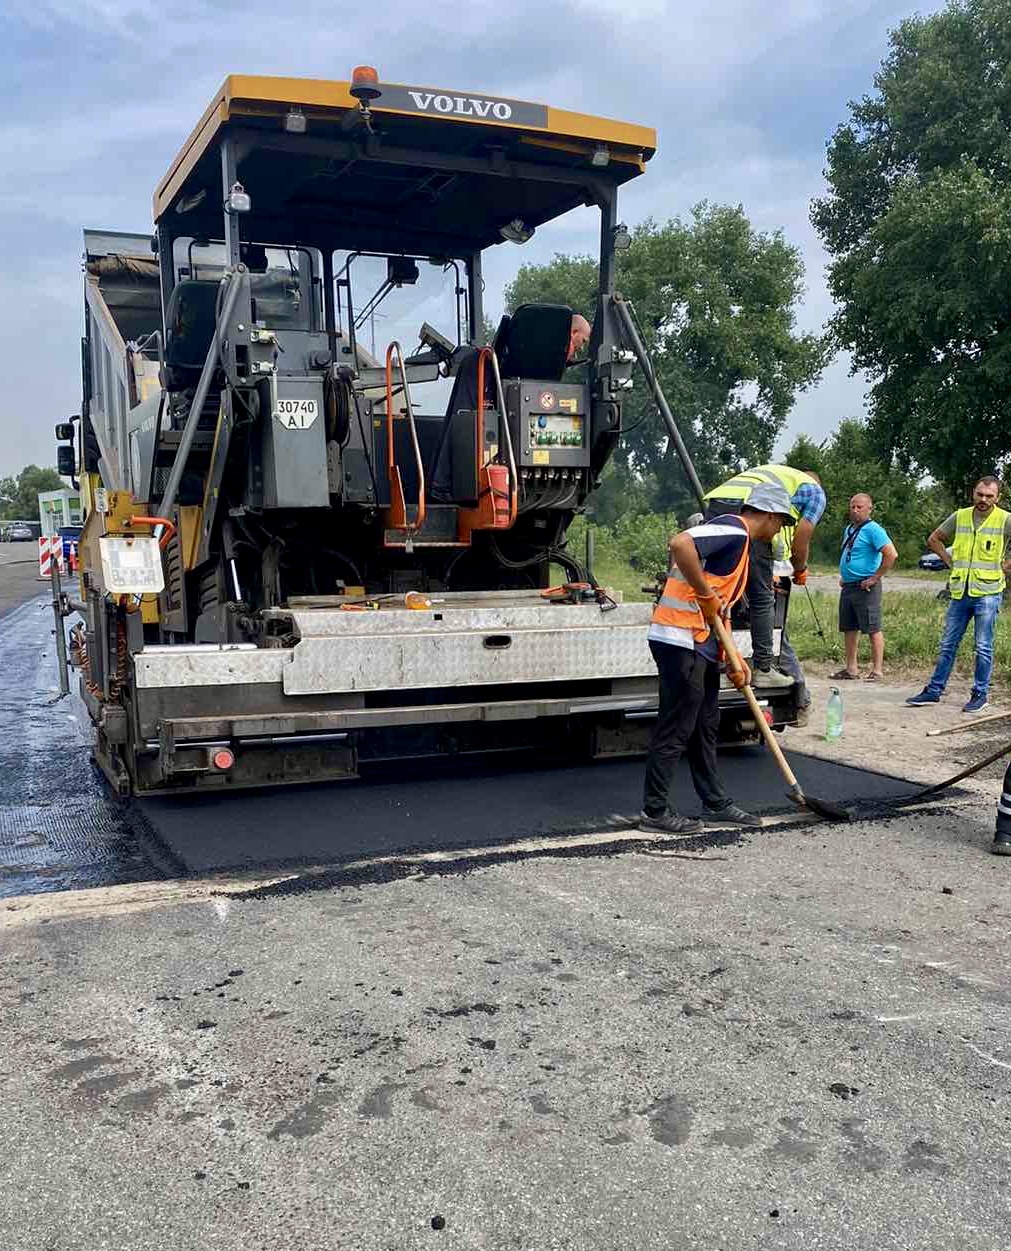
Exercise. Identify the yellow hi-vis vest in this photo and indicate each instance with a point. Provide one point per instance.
(976, 555)
(741, 485)
(677, 617)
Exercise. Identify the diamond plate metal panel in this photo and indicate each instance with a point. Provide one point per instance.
(538, 615)
(198, 665)
(361, 663)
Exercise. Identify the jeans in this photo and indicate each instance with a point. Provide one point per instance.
(761, 603)
(687, 723)
(982, 611)
(761, 594)
(790, 664)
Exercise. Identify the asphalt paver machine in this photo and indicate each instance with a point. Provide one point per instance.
(307, 547)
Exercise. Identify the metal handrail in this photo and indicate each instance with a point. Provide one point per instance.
(391, 459)
(486, 353)
(504, 422)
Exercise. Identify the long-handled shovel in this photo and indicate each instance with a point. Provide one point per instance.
(821, 807)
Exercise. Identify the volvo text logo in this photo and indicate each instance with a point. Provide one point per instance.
(461, 106)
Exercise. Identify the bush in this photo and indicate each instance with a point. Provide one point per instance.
(643, 539)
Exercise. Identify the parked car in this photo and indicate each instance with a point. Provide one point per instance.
(933, 562)
(19, 532)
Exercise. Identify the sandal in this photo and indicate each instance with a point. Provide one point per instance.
(874, 677)
(843, 675)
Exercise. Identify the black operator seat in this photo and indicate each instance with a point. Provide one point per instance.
(190, 320)
(533, 342)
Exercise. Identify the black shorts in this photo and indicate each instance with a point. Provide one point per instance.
(860, 609)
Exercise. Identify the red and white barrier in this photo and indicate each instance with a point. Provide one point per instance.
(50, 549)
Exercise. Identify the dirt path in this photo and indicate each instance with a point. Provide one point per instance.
(897, 582)
(881, 732)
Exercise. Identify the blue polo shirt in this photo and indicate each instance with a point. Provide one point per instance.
(863, 557)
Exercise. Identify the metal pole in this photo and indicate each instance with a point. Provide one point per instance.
(639, 348)
(229, 176)
(61, 640)
(233, 285)
(475, 300)
(608, 221)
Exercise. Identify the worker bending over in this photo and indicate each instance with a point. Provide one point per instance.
(1002, 835)
(708, 575)
(807, 499)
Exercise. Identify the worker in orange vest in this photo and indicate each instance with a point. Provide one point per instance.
(708, 575)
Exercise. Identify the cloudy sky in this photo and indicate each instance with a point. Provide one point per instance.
(97, 95)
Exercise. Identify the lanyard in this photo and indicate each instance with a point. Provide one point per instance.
(849, 538)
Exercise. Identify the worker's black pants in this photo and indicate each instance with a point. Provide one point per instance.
(686, 724)
(1004, 806)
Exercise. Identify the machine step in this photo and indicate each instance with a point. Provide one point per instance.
(438, 530)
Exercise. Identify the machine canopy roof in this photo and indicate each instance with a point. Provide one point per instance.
(438, 173)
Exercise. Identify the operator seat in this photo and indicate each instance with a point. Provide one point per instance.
(533, 342)
(189, 328)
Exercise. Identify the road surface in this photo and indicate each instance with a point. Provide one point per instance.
(19, 574)
(798, 1039)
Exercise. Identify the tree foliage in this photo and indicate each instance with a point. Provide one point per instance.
(19, 495)
(918, 223)
(716, 302)
(850, 462)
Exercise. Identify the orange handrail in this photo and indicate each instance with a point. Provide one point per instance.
(391, 460)
(488, 353)
(170, 529)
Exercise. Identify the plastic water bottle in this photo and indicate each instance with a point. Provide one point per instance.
(834, 715)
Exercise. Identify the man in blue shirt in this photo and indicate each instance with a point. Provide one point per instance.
(867, 555)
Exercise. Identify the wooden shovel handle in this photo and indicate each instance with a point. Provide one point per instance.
(734, 658)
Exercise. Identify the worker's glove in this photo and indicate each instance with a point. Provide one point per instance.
(739, 678)
(800, 576)
(711, 606)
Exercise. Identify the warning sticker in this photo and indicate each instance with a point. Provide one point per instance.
(547, 399)
(569, 404)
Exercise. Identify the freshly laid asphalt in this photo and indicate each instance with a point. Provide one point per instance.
(796, 1039)
(455, 806)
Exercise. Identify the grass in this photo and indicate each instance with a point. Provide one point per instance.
(912, 628)
(912, 622)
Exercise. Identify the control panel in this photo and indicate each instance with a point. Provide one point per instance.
(550, 419)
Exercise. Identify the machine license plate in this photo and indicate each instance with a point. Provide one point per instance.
(296, 414)
(131, 566)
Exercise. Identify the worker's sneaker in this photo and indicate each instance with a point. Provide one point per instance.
(731, 814)
(978, 702)
(924, 697)
(670, 823)
(766, 678)
(1002, 843)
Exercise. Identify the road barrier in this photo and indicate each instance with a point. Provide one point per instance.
(50, 547)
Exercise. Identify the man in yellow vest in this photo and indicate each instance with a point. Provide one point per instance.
(708, 574)
(808, 500)
(980, 539)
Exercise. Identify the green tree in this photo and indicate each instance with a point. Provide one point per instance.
(850, 461)
(716, 302)
(19, 497)
(918, 223)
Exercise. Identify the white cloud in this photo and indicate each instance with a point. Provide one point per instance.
(100, 94)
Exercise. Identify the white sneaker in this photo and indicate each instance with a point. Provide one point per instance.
(770, 678)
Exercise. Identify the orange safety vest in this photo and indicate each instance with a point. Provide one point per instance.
(677, 617)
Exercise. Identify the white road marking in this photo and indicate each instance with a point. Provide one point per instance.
(983, 1055)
